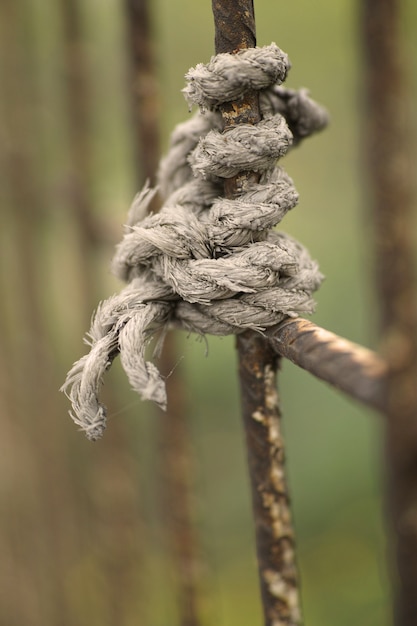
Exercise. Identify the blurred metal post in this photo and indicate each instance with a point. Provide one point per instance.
(175, 459)
(388, 127)
(114, 497)
(143, 89)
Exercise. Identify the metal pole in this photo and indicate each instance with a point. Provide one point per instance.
(258, 364)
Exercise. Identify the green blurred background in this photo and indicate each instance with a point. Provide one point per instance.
(82, 530)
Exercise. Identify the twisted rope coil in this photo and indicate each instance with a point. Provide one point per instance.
(205, 263)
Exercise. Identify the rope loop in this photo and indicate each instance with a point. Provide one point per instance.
(205, 263)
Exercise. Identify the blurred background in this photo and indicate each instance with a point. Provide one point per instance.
(86, 529)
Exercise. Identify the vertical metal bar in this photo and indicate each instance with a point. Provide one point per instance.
(178, 476)
(275, 540)
(143, 87)
(235, 30)
(388, 152)
(175, 459)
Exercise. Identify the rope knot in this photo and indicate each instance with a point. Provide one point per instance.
(205, 263)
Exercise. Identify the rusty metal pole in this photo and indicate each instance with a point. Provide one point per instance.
(353, 369)
(392, 197)
(258, 364)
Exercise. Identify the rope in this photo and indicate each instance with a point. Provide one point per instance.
(205, 263)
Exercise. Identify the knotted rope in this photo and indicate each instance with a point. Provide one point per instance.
(204, 263)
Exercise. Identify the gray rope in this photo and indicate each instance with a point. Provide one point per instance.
(205, 263)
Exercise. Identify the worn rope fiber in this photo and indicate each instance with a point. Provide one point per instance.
(205, 263)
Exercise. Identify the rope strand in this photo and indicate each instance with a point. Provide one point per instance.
(205, 263)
